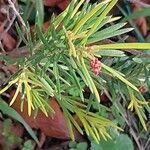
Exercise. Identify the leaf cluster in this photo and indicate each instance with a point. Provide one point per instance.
(59, 60)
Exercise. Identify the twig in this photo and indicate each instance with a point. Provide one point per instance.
(136, 139)
(9, 26)
(18, 53)
(148, 142)
(16, 12)
(2, 48)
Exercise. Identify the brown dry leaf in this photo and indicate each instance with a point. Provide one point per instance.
(62, 4)
(146, 1)
(45, 26)
(8, 42)
(53, 126)
(51, 2)
(141, 21)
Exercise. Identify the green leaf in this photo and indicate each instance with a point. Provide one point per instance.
(101, 35)
(141, 13)
(118, 75)
(14, 114)
(42, 37)
(110, 53)
(28, 145)
(47, 87)
(72, 144)
(77, 8)
(137, 32)
(90, 81)
(82, 146)
(69, 12)
(99, 20)
(68, 122)
(40, 12)
(120, 142)
(88, 16)
(21, 34)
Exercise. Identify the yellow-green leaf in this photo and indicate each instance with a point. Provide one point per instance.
(125, 46)
(115, 74)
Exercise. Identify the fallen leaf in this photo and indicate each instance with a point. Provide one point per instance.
(45, 27)
(51, 2)
(62, 4)
(141, 21)
(7, 40)
(144, 1)
(51, 126)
